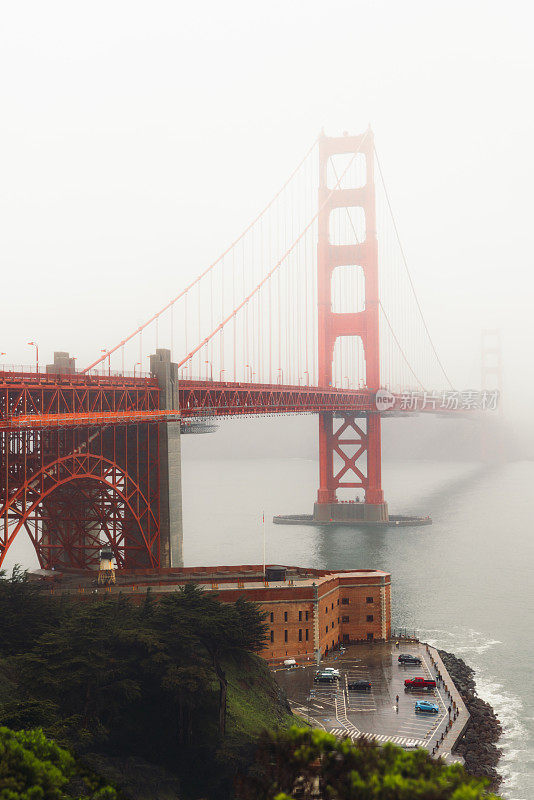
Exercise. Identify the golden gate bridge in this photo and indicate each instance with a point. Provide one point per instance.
(312, 309)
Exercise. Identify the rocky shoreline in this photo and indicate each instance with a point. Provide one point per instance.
(478, 745)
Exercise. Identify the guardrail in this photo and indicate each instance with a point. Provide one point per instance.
(31, 421)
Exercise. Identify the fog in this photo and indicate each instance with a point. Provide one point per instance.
(138, 139)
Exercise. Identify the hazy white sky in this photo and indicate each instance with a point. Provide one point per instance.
(138, 138)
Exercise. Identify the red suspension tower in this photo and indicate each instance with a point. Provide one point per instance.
(349, 444)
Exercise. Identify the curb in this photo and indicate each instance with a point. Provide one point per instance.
(460, 715)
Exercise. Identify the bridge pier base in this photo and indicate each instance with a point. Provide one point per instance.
(359, 513)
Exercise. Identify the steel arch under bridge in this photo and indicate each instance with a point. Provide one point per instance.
(73, 489)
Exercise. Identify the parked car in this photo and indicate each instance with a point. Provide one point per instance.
(419, 683)
(359, 685)
(324, 677)
(428, 708)
(408, 658)
(335, 672)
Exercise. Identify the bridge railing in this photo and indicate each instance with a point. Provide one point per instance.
(31, 369)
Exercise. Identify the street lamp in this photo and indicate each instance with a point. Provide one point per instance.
(211, 369)
(109, 361)
(137, 364)
(34, 344)
(251, 373)
(281, 378)
(308, 378)
(221, 374)
(347, 381)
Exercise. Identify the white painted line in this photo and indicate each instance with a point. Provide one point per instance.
(408, 724)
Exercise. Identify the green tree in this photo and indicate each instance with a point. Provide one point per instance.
(34, 768)
(115, 670)
(223, 629)
(306, 763)
(25, 612)
(150, 679)
(85, 665)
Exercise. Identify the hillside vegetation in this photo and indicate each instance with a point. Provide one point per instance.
(174, 682)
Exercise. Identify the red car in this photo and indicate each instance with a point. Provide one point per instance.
(419, 683)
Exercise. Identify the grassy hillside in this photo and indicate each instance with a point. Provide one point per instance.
(255, 701)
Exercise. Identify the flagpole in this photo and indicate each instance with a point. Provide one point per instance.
(263, 526)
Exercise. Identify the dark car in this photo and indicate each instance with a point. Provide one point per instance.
(359, 685)
(407, 658)
(324, 677)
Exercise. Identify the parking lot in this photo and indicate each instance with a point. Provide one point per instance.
(374, 713)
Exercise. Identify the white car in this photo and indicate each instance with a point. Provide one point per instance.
(332, 671)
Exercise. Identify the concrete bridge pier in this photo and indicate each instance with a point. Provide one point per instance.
(170, 463)
(358, 513)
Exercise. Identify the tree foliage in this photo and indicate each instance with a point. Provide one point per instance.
(24, 611)
(123, 677)
(34, 768)
(311, 763)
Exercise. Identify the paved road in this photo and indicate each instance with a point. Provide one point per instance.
(373, 714)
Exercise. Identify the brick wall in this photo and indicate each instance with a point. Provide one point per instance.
(360, 617)
(290, 628)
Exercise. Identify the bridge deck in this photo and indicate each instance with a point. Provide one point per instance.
(50, 400)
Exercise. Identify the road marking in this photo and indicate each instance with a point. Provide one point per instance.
(393, 739)
(440, 697)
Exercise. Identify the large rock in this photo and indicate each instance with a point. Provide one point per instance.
(478, 744)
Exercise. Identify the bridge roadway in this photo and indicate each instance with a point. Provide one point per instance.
(31, 400)
(374, 714)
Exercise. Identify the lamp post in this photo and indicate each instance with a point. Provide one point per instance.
(308, 377)
(281, 376)
(221, 374)
(34, 344)
(251, 373)
(137, 364)
(346, 378)
(109, 360)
